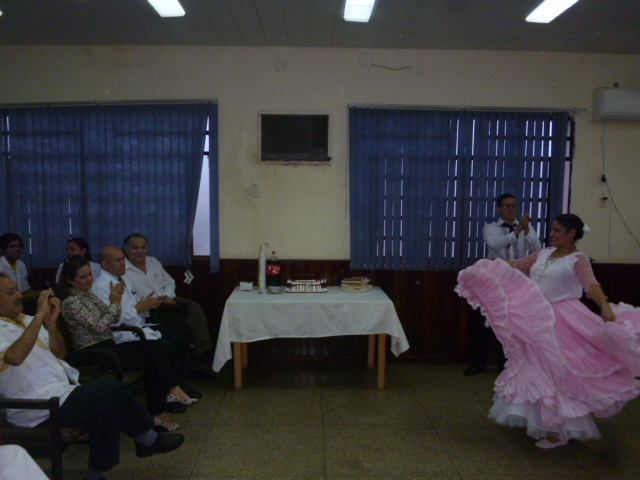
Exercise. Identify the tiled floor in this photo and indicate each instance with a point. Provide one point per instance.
(310, 422)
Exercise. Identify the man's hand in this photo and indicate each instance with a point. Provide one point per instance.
(54, 311)
(116, 292)
(43, 303)
(523, 225)
(148, 303)
(166, 300)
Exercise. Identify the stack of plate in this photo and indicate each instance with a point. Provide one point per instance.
(356, 284)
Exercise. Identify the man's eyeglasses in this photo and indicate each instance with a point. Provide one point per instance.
(510, 206)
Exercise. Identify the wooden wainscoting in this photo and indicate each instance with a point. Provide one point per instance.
(439, 324)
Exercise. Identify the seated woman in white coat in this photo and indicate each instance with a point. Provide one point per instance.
(79, 247)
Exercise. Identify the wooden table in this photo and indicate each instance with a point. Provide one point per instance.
(251, 316)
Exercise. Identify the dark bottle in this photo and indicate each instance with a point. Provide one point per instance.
(273, 271)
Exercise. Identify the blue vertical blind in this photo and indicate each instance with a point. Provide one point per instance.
(102, 172)
(423, 183)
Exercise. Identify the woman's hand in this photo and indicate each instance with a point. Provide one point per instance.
(607, 314)
(115, 295)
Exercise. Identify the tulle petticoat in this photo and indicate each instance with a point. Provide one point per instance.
(564, 364)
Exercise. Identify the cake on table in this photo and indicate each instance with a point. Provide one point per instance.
(306, 286)
(356, 284)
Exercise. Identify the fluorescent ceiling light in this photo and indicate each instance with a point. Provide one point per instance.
(548, 10)
(167, 8)
(358, 10)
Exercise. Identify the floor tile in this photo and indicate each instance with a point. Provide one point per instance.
(399, 449)
(274, 407)
(248, 450)
(371, 407)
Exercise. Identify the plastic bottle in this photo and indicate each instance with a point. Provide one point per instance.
(273, 271)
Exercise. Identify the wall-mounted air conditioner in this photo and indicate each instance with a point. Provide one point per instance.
(616, 104)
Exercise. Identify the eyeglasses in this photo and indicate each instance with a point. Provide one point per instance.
(510, 206)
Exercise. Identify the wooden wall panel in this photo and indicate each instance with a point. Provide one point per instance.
(439, 325)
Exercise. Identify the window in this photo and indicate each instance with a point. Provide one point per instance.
(294, 138)
(102, 172)
(423, 183)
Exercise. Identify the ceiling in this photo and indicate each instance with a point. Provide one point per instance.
(590, 26)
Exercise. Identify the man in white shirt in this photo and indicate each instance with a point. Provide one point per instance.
(113, 271)
(507, 238)
(135, 312)
(147, 276)
(31, 366)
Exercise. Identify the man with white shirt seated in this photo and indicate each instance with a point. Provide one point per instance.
(135, 312)
(31, 366)
(147, 276)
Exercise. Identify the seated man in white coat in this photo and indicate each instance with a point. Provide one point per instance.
(113, 271)
(135, 312)
(147, 276)
(31, 366)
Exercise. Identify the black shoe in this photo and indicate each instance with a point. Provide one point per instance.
(176, 407)
(165, 442)
(190, 391)
(473, 370)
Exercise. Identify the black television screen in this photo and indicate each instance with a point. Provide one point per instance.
(294, 138)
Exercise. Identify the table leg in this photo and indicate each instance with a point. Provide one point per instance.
(245, 356)
(382, 351)
(237, 365)
(372, 351)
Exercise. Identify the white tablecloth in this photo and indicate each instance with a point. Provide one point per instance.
(250, 316)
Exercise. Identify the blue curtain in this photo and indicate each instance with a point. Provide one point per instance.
(105, 171)
(214, 214)
(423, 182)
(40, 179)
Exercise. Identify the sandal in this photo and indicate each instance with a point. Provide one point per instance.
(160, 426)
(184, 401)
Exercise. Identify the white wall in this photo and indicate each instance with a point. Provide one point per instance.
(302, 210)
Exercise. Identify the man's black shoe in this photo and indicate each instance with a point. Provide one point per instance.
(473, 370)
(191, 392)
(176, 407)
(165, 442)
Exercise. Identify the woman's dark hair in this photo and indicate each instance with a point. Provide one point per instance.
(70, 269)
(82, 243)
(572, 222)
(7, 238)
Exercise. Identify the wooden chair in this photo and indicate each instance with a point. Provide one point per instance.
(50, 440)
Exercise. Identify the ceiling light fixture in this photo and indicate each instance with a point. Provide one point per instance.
(548, 10)
(358, 10)
(167, 8)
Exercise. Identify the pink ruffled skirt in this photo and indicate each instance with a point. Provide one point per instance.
(564, 363)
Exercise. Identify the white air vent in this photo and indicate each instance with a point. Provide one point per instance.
(616, 104)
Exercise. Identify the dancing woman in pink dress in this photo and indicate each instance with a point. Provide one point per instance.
(565, 364)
